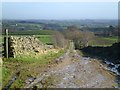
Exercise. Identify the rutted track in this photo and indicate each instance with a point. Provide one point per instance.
(75, 71)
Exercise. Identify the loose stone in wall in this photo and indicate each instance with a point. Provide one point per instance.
(22, 45)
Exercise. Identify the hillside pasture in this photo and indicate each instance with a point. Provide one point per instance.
(104, 41)
(46, 39)
(32, 32)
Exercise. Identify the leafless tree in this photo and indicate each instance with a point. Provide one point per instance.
(59, 40)
(88, 37)
(80, 38)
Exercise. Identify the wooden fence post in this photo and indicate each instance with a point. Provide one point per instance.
(6, 43)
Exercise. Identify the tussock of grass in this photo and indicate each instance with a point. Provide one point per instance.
(6, 74)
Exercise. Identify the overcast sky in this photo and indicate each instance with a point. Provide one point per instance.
(57, 10)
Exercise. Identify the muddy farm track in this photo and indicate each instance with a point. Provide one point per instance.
(75, 71)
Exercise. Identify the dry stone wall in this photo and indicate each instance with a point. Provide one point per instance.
(22, 45)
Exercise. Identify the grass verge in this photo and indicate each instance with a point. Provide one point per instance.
(28, 66)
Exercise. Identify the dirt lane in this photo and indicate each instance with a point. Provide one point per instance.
(75, 71)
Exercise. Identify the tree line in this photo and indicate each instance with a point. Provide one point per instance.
(80, 38)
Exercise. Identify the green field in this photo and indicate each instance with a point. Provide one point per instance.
(32, 32)
(112, 39)
(45, 36)
(47, 39)
(104, 41)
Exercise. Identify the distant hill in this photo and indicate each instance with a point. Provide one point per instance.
(100, 27)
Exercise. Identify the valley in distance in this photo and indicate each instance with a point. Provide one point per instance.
(60, 53)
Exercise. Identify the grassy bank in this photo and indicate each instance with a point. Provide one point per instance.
(28, 66)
